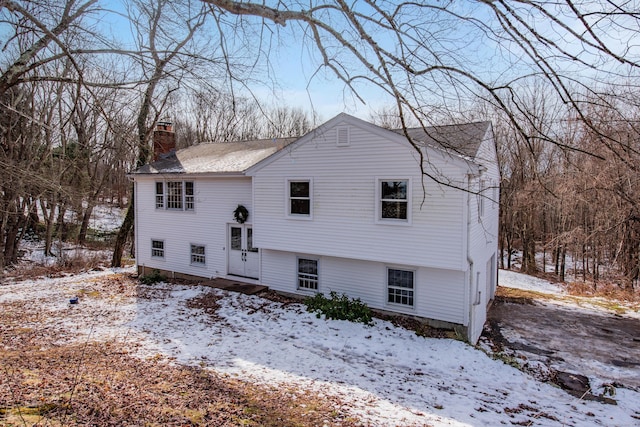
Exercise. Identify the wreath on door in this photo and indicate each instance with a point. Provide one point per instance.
(240, 214)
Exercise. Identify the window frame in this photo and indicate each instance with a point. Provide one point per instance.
(189, 191)
(159, 195)
(154, 249)
(289, 199)
(380, 200)
(203, 255)
(412, 290)
(310, 277)
(182, 200)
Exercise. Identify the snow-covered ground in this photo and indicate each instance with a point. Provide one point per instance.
(512, 279)
(387, 376)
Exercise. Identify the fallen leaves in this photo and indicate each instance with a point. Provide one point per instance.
(46, 380)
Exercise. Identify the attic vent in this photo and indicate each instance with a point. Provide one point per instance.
(342, 139)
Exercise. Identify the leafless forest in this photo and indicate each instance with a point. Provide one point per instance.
(83, 82)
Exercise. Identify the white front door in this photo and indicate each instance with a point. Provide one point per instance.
(243, 257)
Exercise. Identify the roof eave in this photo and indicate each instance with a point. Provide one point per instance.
(182, 175)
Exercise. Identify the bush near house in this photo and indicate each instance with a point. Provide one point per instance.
(154, 277)
(339, 307)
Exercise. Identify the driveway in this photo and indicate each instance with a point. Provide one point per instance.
(567, 335)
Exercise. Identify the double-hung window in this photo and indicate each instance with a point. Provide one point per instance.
(400, 287)
(198, 255)
(175, 195)
(308, 274)
(188, 196)
(157, 248)
(159, 195)
(393, 200)
(299, 192)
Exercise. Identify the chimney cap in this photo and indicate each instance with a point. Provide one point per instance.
(164, 125)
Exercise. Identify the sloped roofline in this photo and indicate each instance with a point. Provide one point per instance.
(433, 138)
(347, 119)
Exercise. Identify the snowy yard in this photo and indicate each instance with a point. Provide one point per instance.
(380, 375)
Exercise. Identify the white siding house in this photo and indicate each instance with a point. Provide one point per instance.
(405, 221)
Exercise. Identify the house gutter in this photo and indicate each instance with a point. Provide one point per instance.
(469, 258)
(185, 175)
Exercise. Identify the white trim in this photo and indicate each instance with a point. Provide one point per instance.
(287, 199)
(183, 194)
(159, 206)
(197, 264)
(399, 306)
(164, 249)
(297, 271)
(378, 202)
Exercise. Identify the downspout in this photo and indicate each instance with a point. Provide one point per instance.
(135, 224)
(469, 259)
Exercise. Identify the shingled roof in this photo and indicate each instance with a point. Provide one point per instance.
(237, 157)
(216, 157)
(463, 139)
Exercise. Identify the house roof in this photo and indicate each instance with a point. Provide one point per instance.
(216, 157)
(463, 139)
(237, 157)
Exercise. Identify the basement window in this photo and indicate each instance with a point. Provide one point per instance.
(400, 288)
(308, 274)
(157, 248)
(198, 255)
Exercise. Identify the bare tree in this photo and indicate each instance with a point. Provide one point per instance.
(433, 58)
(165, 30)
(37, 25)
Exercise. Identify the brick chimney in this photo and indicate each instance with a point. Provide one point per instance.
(164, 140)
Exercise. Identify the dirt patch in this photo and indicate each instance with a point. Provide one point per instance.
(207, 302)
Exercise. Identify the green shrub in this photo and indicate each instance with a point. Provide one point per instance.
(152, 278)
(339, 307)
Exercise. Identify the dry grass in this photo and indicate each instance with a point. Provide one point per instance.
(44, 382)
(72, 263)
(98, 384)
(607, 290)
(612, 301)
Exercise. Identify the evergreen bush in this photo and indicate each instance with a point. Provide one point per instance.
(339, 307)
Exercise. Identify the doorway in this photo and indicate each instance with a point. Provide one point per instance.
(244, 259)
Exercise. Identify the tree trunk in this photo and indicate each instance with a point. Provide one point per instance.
(49, 221)
(82, 234)
(563, 257)
(123, 233)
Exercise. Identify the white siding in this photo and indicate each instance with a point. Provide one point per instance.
(439, 294)
(344, 200)
(483, 238)
(215, 201)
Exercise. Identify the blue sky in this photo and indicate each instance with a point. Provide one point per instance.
(292, 77)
